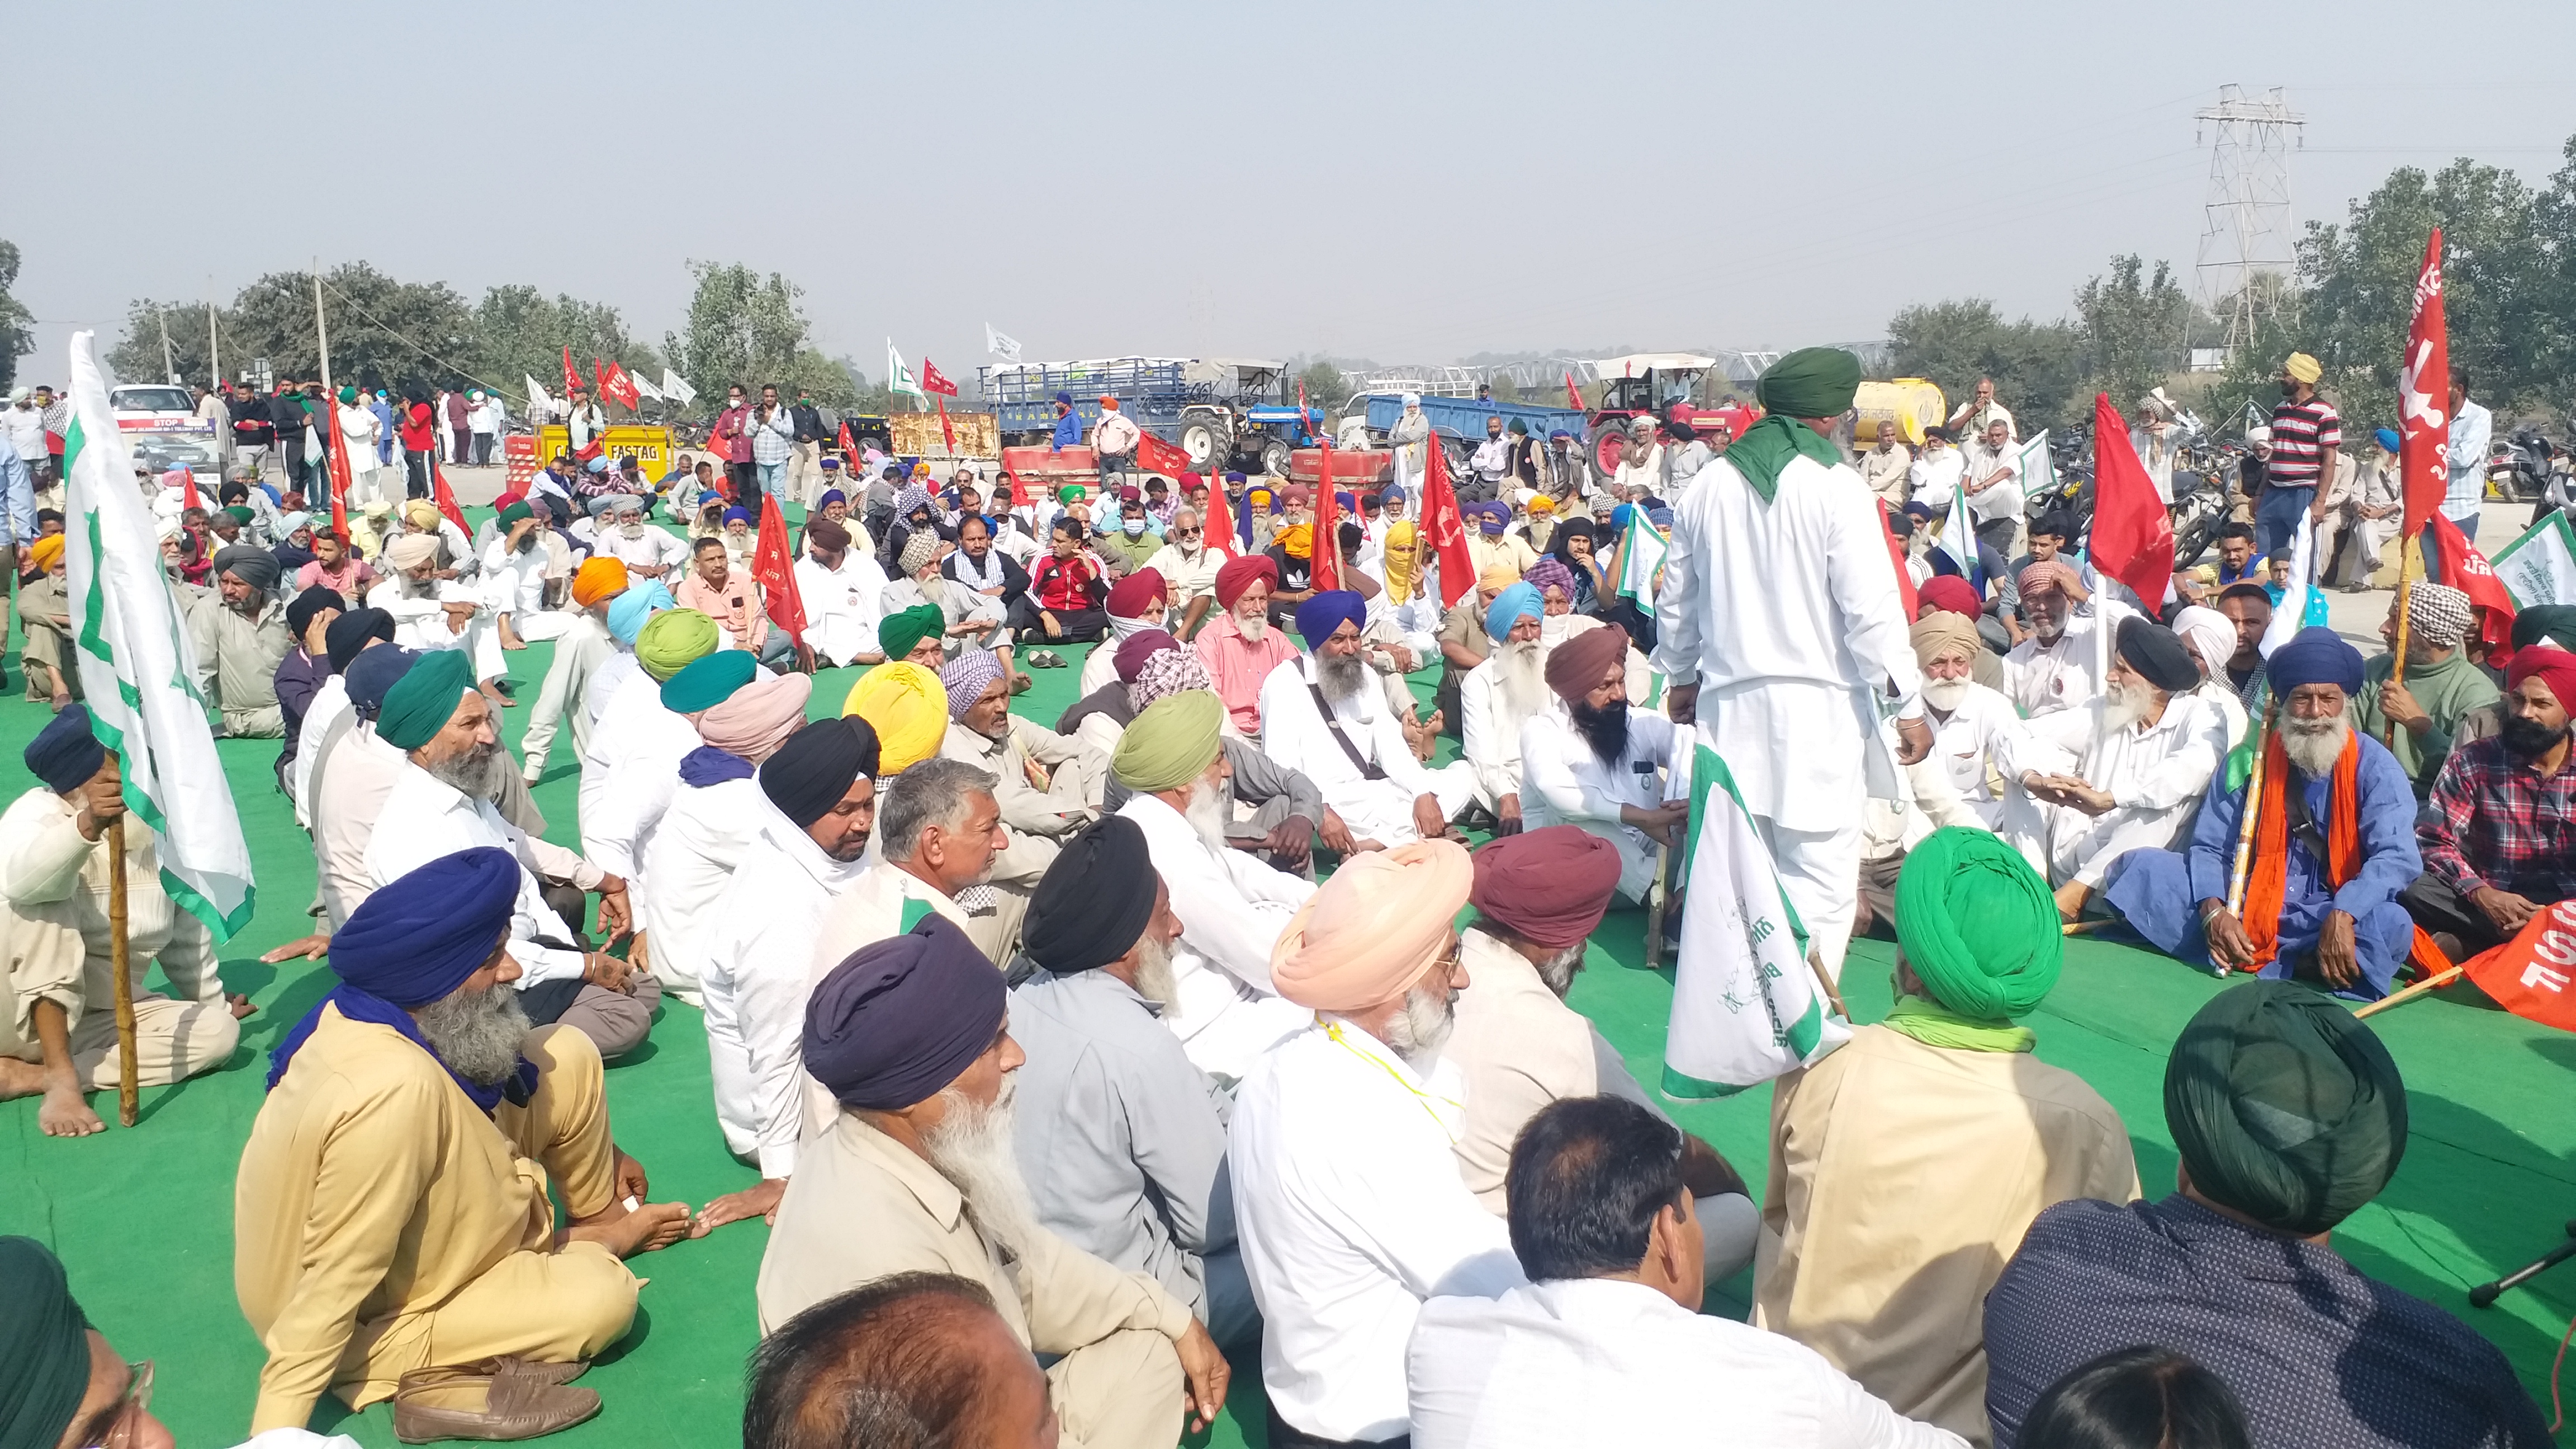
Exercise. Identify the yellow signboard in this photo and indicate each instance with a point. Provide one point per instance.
(651, 447)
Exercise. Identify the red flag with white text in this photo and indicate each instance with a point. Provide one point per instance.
(2457, 562)
(1325, 551)
(1446, 527)
(1156, 456)
(2532, 975)
(572, 375)
(2132, 533)
(614, 383)
(773, 567)
(932, 381)
(2424, 398)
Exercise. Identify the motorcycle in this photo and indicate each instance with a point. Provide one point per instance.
(2202, 477)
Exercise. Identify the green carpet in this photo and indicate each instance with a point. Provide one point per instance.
(143, 1218)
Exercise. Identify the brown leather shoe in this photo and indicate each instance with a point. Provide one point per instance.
(459, 1403)
(544, 1373)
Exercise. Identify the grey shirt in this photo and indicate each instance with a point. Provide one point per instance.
(1120, 1137)
(1275, 791)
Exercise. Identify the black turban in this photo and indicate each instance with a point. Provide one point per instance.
(900, 1019)
(817, 766)
(1093, 904)
(2158, 654)
(2283, 1107)
(301, 609)
(349, 633)
(65, 753)
(44, 1347)
(256, 567)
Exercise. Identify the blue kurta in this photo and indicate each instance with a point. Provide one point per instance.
(2160, 891)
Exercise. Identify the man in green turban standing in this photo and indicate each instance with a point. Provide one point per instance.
(1906, 1165)
(2289, 1117)
(1779, 605)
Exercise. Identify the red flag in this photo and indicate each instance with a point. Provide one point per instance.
(1219, 522)
(614, 383)
(931, 381)
(445, 497)
(1896, 554)
(1447, 528)
(850, 452)
(2464, 568)
(572, 377)
(947, 434)
(1325, 553)
(2424, 398)
(339, 483)
(1156, 456)
(188, 495)
(773, 567)
(2132, 534)
(2530, 975)
(1573, 394)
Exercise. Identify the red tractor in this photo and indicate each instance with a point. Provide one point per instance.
(1643, 384)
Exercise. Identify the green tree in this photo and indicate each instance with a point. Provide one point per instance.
(1325, 386)
(2134, 328)
(408, 336)
(520, 333)
(138, 356)
(745, 329)
(16, 322)
(2037, 366)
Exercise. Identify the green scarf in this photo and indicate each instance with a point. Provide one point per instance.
(1767, 447)
(1936, 1025)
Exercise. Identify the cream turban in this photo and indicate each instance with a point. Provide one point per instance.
(1941, 630)
(412, 550)
(1373, 928)
(2211, 635)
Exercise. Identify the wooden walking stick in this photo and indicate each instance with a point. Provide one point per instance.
(2434, 982)
(128, 1093)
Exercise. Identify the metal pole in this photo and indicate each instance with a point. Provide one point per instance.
(128, 1090)
(169, 362)
(214, 355)
(321, 331)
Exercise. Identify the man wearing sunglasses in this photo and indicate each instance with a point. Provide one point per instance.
(61, 1381)
(1188, 567)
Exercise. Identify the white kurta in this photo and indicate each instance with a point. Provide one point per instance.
(1966, 744)
(1568, 784)
(841, 612)
(1294, 734)
(1232, 908)
(425, 818)
(420, 622)
(2155, 775)
(330, 702)
(634, 754)
(1489, 731)
(2045, 678)
(690, 858)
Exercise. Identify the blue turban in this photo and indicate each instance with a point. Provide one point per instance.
(1557, 433)
(900, 1019)
(731, 514)
(1620, 515)
(65, 753)
(1065, 398)
(1393, 493)
(597, 465)
(1343, 497)
(1660, 516)
(1492, 518)
(1234, 477)
(632, 609)
(708, 680)
(2386, 438)
(415, 941)
(1320, 615)
(2314, 656)
(830, 496)
(1509, 605)
(373, 674)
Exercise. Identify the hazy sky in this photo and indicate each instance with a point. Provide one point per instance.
(1401, 181)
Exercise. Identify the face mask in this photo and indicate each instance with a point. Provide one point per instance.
(1553, 628)
(1132, 527)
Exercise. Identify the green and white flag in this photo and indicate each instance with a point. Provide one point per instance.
(1642, 560)
(138, 666)
(1745, 1004)
(2038, 468)
(899, 378)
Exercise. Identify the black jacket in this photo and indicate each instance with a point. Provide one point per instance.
(809, 424)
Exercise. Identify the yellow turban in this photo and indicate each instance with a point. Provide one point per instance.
(1171, 743)
(1399, 559)
(46, 552)
(1498, 576)
(1373, 928)
(2303, 368)
(599, 577)
(1541, 504)
(422, 514)
(1942, 630)
(907, 707)
(673, 640)
(1297, 540)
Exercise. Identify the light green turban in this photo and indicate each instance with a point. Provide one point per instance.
(902, 631)
(422, 702)
(1977, 924)
(1171, 743)
(671, 640)
(1812, 382)
(2284, 1107)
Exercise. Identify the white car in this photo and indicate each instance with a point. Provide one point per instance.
(161, 426)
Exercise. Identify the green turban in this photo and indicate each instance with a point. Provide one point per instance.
(1171, 743)
(240, 515)
(1812, 382)
(1071, 493)
(708, 680)
(2545, 624)
(348, 397)
(1977, 924)
(44, 1348)
(2284, 1107)
(422, 702)
(899, 633)
(671, 639)
(512, 514)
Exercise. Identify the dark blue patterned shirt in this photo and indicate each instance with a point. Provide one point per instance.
(2319, 1354)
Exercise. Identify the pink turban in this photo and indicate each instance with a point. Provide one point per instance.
(759, 717)
(1373, 928)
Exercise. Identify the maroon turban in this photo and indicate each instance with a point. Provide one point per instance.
(1550, 886)
(1238, 573)
(2554, 667)
(1136, 648)
(1951, 594)
(1131, 596)
(1576, 666)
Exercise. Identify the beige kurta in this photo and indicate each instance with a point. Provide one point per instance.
(382, 1223)
(49, 645)
(237, 658)
(1902, 1179)
(863, 1206)
(55, 932)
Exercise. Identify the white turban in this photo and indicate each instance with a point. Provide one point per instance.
(2211, 635)
(1413, 399)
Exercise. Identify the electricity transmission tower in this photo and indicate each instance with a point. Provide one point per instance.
(2246, 252)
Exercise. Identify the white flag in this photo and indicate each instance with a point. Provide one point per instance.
(899, 378)
(138, 665)
(1640, 560)
(1745, 1004)
(1001, 345)
(643, 388)
(2302, 604)
(677, 390)
(540, 407)
(2038, 468)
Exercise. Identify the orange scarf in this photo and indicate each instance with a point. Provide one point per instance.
(2268, 881)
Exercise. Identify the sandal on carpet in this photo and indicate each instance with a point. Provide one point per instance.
(459, 1403)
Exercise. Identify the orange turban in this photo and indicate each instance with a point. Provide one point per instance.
(599, 577)
(1364, 937)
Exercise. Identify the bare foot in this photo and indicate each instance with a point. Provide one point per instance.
(647, 1229)
(62, 702)
(760, 1201)
(66, 1113)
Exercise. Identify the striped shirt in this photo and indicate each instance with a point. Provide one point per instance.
(2303, 435)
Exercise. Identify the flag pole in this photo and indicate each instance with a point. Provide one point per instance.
(2242, 871)
(322, 334)
(128, 1093)
(2410, 561)
(2434, 982)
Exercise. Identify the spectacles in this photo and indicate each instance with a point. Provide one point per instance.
(1186, 532)
(118, 1425)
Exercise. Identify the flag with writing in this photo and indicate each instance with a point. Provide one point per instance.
(1156, 456)
(933, 380)
(139, 668)
(445, 497)
(773, 567)
(2132, 538)
(1325, 557)
(677, 389)
(850, 454)
(1445, 526)
(572, 376)
(1000, 344)
(1745, 1004)
(899, 378)
(2453, 560)
(2424, 398)
(2534, 974)
(616, 385)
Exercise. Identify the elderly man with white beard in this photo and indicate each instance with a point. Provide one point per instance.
(514, 580)
(2052, 670)
(647, 552)
(437, 807)
(2124, 773)
(1501, 695)
(1047, 785)
(434, 613)
(911, 1035)
(2330, 916)
(1325, 717)
(1239, 647)
(1231, 905)
(1953, 785)
(1592, 762)
(1121, 1137)
(812, 814)
(1348, 1201)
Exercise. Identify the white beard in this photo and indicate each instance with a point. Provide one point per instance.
(1945, 695)
(2314, 746)
(1521, 671)
(2123, 706)
(1254, 629)
(1154, 980)
(1206, 813)
(972, 1148)
(1558, 970)
(1418, 1032)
